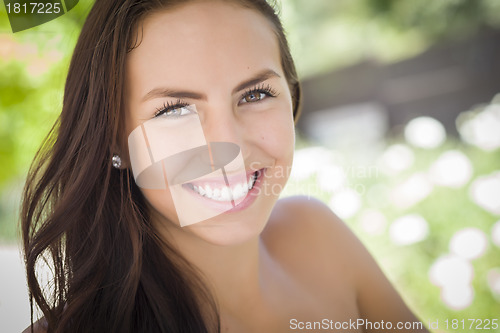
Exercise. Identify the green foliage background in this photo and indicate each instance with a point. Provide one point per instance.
(33, 66)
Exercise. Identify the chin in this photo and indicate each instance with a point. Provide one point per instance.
(230, 229)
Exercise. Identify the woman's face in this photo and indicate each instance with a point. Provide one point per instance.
(225, 60)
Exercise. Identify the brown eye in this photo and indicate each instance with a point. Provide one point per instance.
(257, 94)
(254, 97)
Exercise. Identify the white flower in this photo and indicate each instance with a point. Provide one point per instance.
(397, 158)
(482, 128)
(411, 191)
(409, 229)
(345, 203)
(425, 132)
(469, 243)
(452, 169)
(485, 192)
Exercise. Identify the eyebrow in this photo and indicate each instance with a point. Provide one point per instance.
(166, 92)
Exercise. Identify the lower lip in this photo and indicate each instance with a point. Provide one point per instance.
(250, 197)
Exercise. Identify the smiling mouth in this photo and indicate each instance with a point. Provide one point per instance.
(223, 193)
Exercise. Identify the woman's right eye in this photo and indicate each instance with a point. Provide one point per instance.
(173, 110)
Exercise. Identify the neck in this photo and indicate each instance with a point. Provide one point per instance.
(233, 272)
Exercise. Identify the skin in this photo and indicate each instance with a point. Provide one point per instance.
(200, 55)
(275, 260)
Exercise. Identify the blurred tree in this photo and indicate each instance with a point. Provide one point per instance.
(33, 65)
(328, 34)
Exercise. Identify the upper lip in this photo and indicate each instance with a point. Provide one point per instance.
(232, 179)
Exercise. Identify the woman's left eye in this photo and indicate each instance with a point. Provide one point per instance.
(257, 94)
(254, 97)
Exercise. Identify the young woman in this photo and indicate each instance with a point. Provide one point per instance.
(120, 259)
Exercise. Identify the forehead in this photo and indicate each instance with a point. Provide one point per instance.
(202, 43)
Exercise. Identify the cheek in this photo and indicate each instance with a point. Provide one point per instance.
(276, 135)
(161, 201)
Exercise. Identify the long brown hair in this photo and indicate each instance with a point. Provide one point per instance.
(110, 272)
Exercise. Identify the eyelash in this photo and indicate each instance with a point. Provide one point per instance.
(169, 106)
(262, 88)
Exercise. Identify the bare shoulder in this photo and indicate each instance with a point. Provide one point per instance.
(307, 228)
(304, 219)
(319, 249)
(309, 239)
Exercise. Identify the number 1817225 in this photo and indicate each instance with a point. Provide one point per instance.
(472, 324)
(33, 8)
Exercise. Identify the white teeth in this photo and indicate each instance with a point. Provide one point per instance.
(238, 191)
(200, 190)
(225, 193)
(208, 191)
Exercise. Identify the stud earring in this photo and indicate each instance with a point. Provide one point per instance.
(117, 161)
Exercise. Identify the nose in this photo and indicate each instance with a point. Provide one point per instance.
(224, 132)
(221, 124)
